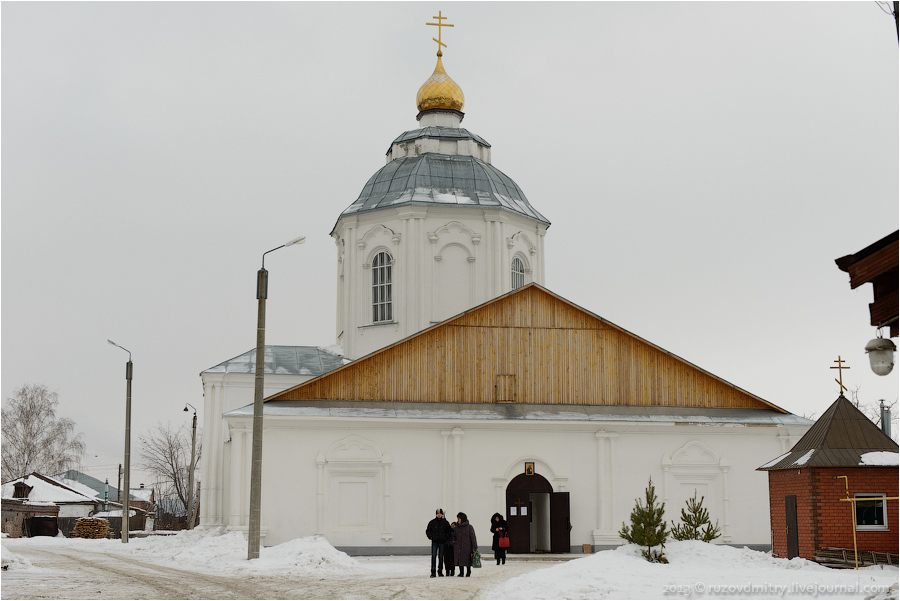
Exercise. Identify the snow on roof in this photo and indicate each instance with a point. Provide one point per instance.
(46, 489)
(804, 458)
(880, 458)
(79, 487)
(285, 360)
(142, 494)
(114, 513)
(511, 411)
(774, 461)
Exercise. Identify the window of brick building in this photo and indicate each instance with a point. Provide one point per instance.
(870, 515)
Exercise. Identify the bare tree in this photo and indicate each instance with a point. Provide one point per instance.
(872, 410)
(34, 439)
(166, 454)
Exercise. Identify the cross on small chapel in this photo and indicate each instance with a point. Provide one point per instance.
(839, 367)
(439, 24)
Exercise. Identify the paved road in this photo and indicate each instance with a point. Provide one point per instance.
(67, 574)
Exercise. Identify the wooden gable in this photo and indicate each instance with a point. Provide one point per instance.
(529, 346)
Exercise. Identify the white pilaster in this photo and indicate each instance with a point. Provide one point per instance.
(457, 434)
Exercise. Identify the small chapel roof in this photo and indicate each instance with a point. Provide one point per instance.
(285, 360)
(433, 179)
(519, 412)
(838, 439)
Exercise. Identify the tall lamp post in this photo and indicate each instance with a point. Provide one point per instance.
(262, 285)
(190, 511)
(126, 495)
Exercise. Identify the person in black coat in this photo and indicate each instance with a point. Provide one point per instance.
(448, 551)
(464, 544)
(499, 528)
(438, 532)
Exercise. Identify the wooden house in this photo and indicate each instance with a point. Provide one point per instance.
(842, 456)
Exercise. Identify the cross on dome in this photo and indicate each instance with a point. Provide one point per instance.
(439, 24)
(439, 91)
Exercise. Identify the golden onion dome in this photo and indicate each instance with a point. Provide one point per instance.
(440, 92)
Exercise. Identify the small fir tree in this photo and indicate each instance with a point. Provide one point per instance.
(648, 528)
(695, 523)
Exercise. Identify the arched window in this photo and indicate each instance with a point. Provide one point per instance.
(382, 307)
(518, 273)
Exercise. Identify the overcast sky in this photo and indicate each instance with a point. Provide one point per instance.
(702, 165)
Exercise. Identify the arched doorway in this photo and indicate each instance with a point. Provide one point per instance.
(538, 518)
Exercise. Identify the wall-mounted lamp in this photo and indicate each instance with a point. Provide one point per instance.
(881, 355)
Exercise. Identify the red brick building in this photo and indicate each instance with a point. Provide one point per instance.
(842, 453)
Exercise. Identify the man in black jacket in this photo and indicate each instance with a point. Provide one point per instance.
(438, 532)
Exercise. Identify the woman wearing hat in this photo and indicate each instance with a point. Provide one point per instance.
(464, 543)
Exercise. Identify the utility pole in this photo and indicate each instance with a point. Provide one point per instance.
(119, 486)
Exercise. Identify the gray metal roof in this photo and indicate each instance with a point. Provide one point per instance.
(431, 179)
(287, 360)
(512, 411)
(439, 133)
(838, 439)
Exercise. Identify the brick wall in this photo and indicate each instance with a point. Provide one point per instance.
(823, 520)
(781, 484)
(835, 516)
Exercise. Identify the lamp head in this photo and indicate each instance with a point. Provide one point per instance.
(299, 240)
(881, 355)
(185, 408)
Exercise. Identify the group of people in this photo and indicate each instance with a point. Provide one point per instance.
(453, 545)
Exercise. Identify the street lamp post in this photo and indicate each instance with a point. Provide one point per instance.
(190, 511)
(262, 285)
(126, 495)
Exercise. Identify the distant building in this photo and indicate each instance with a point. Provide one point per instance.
(843, 454)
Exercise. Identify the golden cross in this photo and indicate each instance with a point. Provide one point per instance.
(439, 24)
(840, 379)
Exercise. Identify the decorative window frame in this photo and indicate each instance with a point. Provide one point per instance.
(354, 459)
(884, 514)
(695, 462)
(517, 276)
(382, 307)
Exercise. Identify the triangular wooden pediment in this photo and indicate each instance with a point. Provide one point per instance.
(529, 346)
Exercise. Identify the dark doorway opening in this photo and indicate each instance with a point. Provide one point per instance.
(790, 515)
(538, 518)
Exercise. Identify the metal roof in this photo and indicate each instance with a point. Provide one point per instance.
(432, 179)
(439, 133)
(520, 412)
(837, 439)
(287, 360)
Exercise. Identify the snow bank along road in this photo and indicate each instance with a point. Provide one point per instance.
(213, 565)
(57, 572)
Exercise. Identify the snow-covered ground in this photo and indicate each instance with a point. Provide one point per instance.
(214, 564)
(697, 570)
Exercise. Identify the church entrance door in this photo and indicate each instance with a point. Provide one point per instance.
(538, 518)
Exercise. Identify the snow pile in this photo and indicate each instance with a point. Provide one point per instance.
(13, 561)
(215, 551)
(695, 570)
(305, 555)
(880, 458)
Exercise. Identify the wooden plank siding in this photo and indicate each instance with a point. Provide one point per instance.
(557, 352)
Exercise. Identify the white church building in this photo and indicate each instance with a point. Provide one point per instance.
(463, 383)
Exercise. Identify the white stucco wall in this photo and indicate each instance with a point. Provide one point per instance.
(223, 392)
(376, 482)
(445, 261)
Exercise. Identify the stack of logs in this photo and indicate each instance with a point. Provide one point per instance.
(91, 528)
